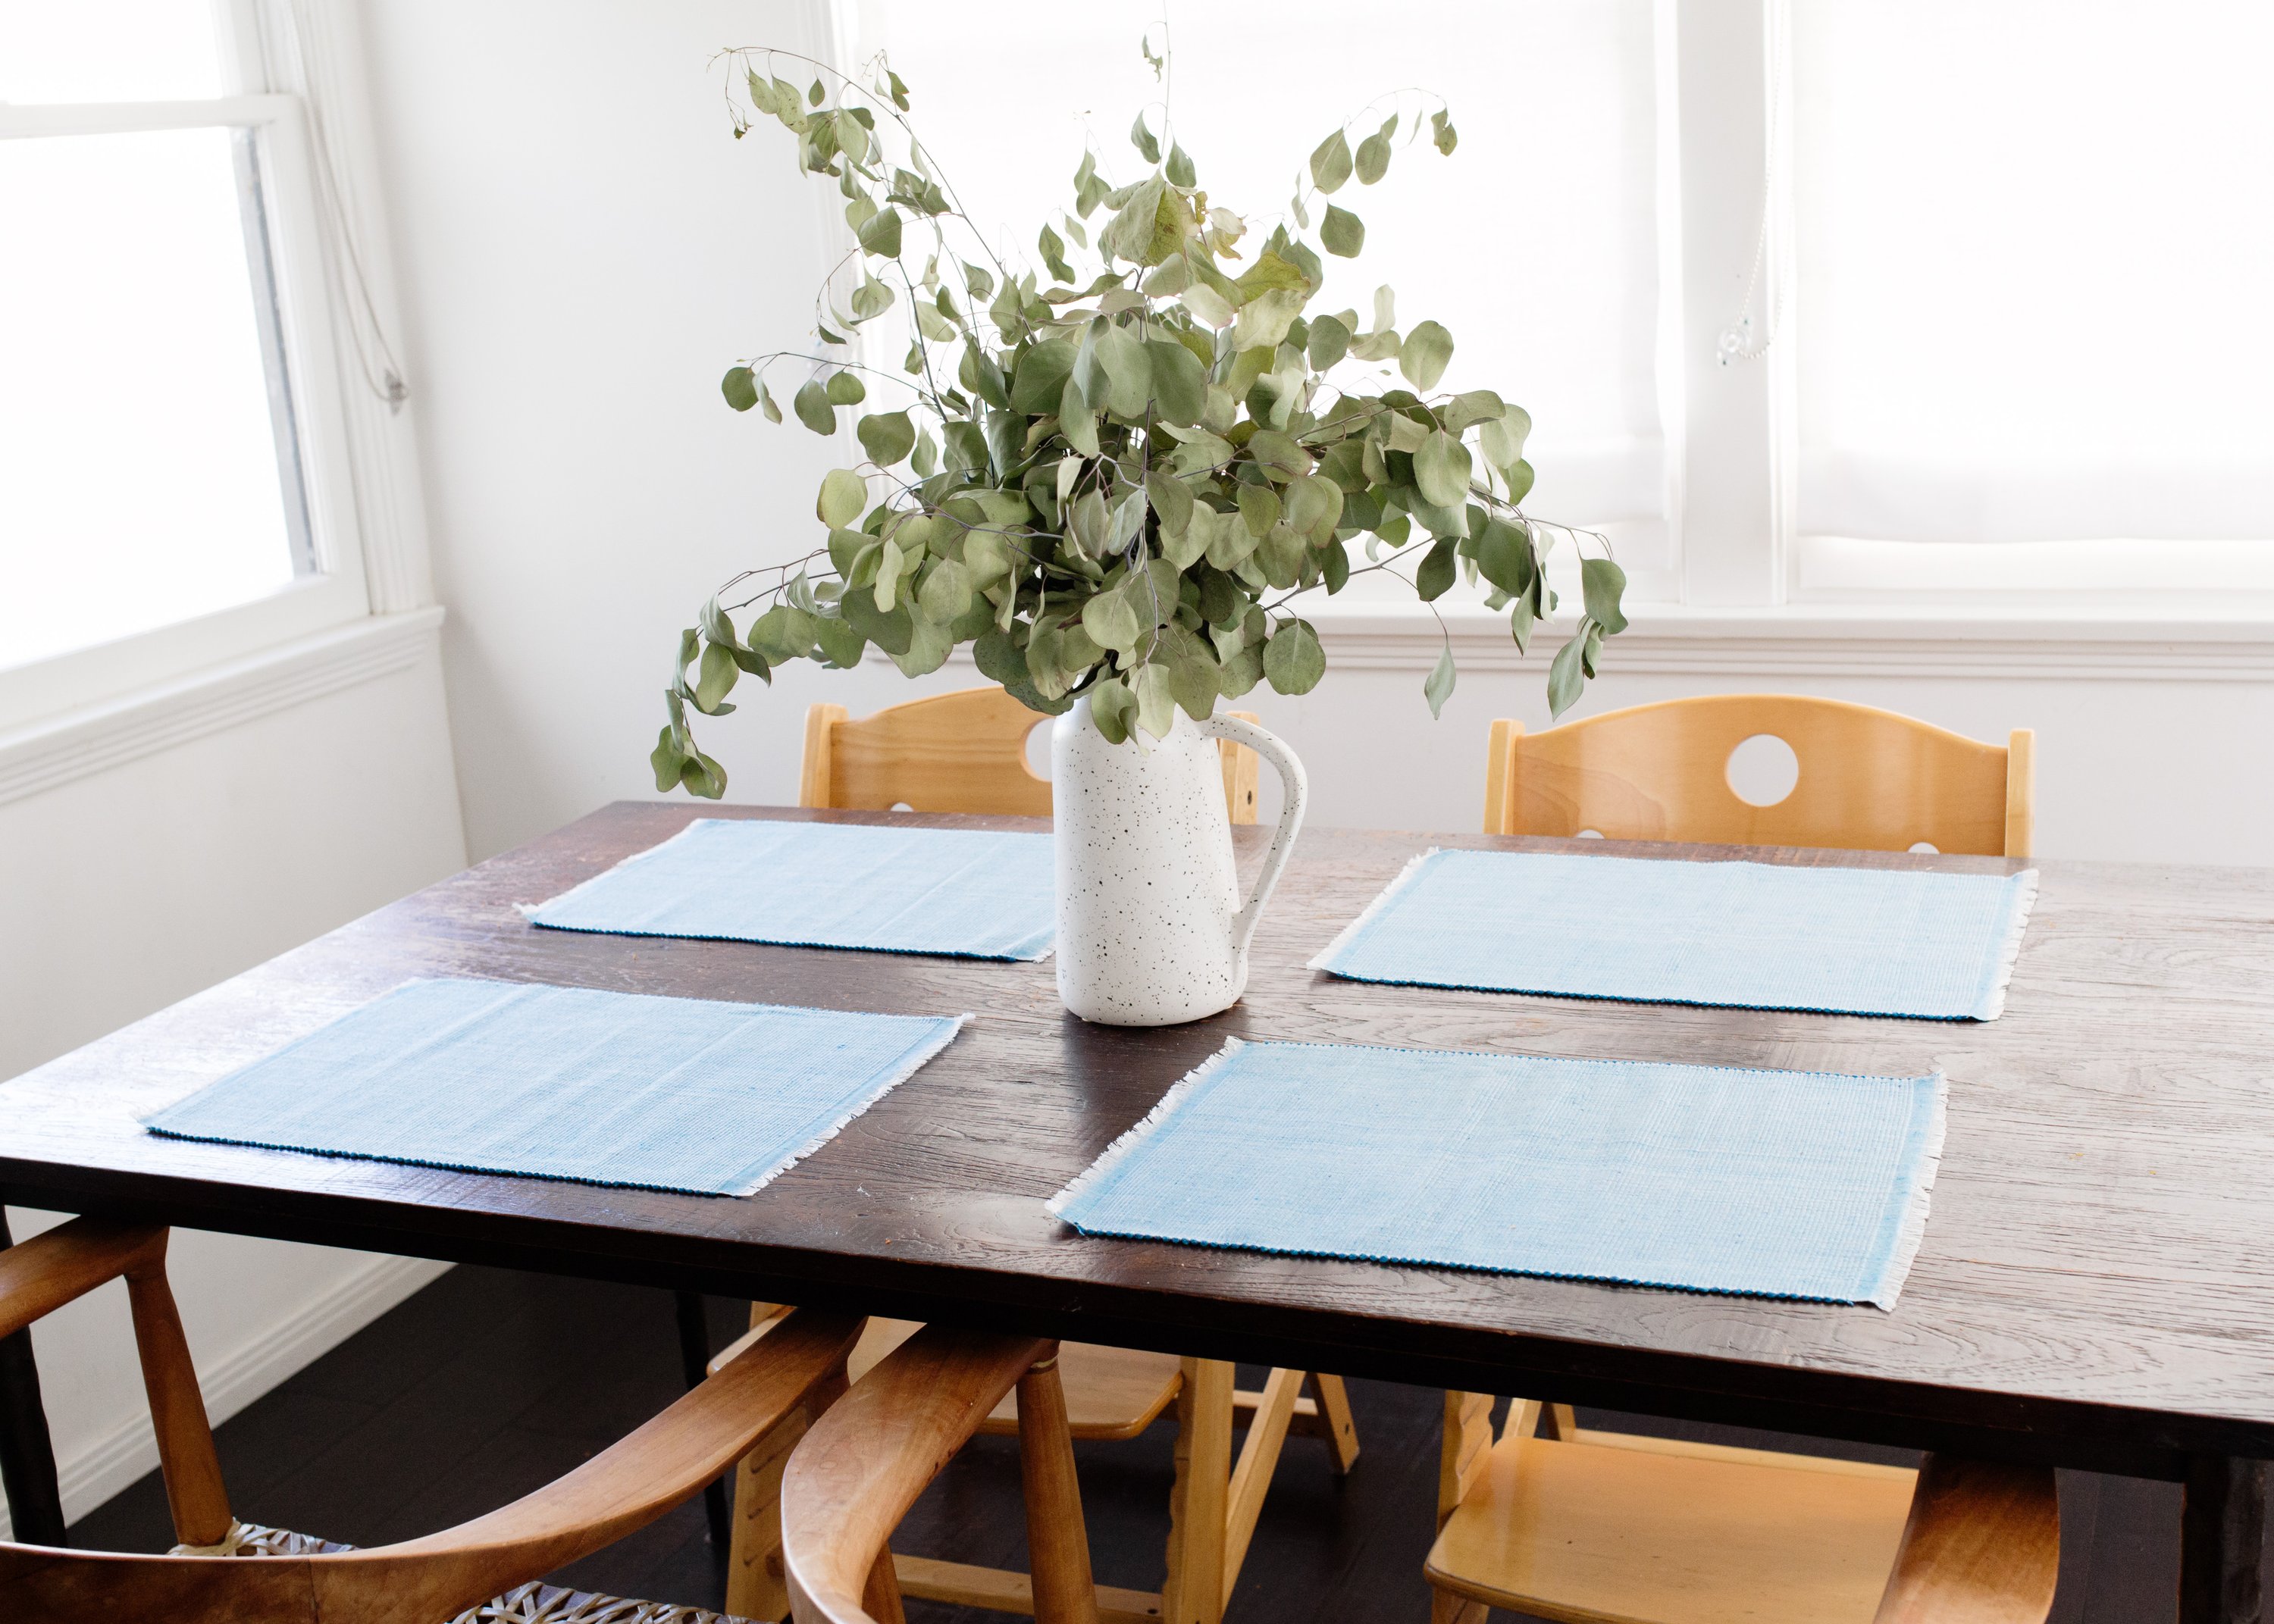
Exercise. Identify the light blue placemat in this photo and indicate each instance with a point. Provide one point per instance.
(971, 892)
(1767, 1183)
(561, 1082)
(1850, 941)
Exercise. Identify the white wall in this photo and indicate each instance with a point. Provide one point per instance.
(174, 866)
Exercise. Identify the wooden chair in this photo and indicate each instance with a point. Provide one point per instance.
(1611, 1529)
(1608, 1526)
(960, 752)
(966, 752)
(856, 1473)
(760, 1404)
(1870, 779)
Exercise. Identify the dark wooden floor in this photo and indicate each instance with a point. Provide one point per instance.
(488, 1384)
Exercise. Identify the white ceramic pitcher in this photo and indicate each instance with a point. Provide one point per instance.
(1151, 931)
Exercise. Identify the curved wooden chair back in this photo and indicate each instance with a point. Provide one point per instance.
(1870, 779)
(960, 752)
(785, 1383)
(856, 1473)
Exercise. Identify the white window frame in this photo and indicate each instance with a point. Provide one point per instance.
(368, 547)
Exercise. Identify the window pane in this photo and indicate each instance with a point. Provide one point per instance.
(2034, 250)
(116, 50)
(1535, 242)
(138, 467)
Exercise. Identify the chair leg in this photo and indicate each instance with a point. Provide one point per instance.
(1057, 1543)
(1193, 1593)
(694, 1364)
(1335, 1420)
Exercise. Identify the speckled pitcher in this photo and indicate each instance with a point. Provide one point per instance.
(1151, 931)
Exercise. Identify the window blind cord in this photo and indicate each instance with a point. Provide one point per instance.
(383, 373)
(1736, 341)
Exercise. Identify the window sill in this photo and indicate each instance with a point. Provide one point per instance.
(78, 743)
(2151, 643)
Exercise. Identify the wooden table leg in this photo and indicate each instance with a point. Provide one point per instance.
(1198, 1499)
(2222, 1541)
(27, 1455)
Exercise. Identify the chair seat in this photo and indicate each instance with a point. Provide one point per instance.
(1110, 1393)
(1609, 1530)
(530, 1604)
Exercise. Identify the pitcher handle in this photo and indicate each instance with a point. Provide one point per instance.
(1296, 792)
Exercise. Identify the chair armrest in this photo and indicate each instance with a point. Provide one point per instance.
(856, 1474)
(40, 1275)
(1982, 1546)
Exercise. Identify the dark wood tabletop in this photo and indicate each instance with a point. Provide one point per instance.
(2093, 1289)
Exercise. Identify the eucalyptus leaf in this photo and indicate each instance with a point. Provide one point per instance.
(1292, 661)
(1342, 232)
(1179, 382)
(740, 385)
(1373, 159)
(843, 495)
(1435, 578)
(1603, 583)
(1426, 351)
(1440, 468)
(1144, 141)
(1179, 168)
(887, 437)
(1330, 162)
(1329, 342)
(1438, 687)
(845, 389)
(1564, 675)
(812, 407)
(880, 233)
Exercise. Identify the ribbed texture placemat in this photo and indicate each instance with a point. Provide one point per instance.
(1771, 1184)
(560, 1082)
(1845, 940)
(973, 894)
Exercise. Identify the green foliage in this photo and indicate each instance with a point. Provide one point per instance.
(1115, 483)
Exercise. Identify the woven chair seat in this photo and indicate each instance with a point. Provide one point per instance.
(532, 1604)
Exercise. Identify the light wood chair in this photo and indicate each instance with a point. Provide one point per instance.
(1870, 779)
(757, 1405)
(1615, 1526)
(856, 1473)
(960, 752)
(1611, 1529)
(966, 752)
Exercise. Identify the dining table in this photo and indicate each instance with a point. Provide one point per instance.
(2095, 1289)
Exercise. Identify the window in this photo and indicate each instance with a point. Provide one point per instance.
(1877, 301)
(1537, 243)
(2031, 245)
(172, 491)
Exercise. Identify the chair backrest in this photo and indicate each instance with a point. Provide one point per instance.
(855, 1476)
(784, 1381)
(960, 752)
(1870, 779)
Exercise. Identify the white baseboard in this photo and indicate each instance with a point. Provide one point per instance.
(93, 1473)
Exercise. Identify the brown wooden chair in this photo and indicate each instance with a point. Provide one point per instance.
(856, 1473)
(1608, 1526)
(960, 752)
(759, 1404)
(1613, 1528)
(1870, 779)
